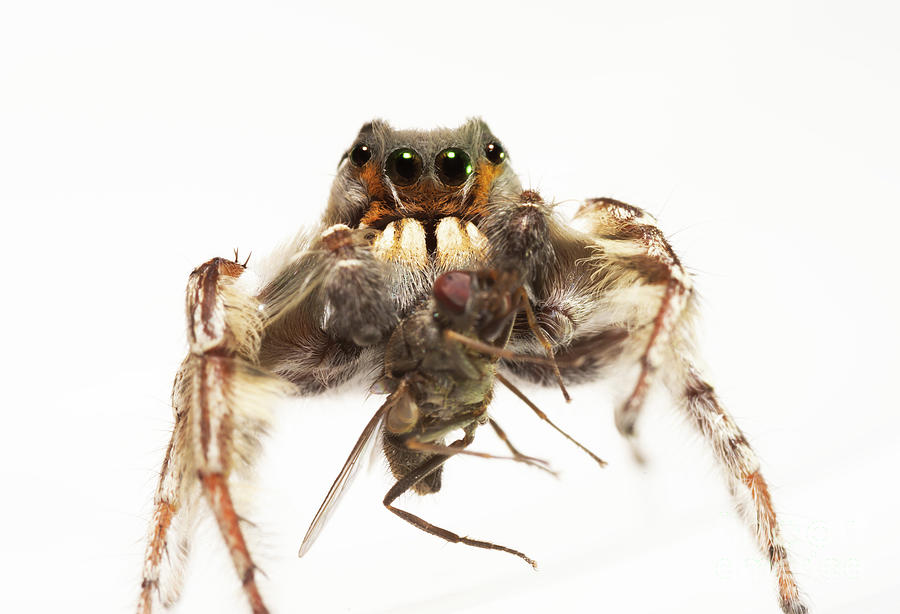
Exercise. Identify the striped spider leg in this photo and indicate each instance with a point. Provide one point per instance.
(237, 369)
(611, 292)
(221, 399)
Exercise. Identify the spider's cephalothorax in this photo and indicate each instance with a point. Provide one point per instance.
(407, 206)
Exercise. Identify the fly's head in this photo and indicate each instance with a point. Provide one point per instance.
(389, 174)
(481, 303)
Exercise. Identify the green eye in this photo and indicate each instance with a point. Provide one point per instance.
(453, 166)
(404, 166)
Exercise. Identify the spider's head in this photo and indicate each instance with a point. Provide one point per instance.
(389, 174)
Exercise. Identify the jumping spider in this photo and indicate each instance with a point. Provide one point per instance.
(407, 206)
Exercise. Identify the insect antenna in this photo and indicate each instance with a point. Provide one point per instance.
(544, 417)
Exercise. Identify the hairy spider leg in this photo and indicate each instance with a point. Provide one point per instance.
(665, 321)
(221, 400)
(614, 292)
(629, 250)
(165, 503)
(742, 469)
(215, 488)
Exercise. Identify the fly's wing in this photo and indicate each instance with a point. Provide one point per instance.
(343, 480)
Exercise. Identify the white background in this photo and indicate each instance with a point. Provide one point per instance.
(139, 141)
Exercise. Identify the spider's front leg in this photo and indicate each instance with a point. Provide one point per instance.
(307, 325)
(610, 291)
(221, 398)
(609, 277)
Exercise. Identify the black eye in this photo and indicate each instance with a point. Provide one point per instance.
(404, 166)
(495, 153)
(360, 154)
(453, 166)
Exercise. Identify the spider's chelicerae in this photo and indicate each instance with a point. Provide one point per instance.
(605, 287)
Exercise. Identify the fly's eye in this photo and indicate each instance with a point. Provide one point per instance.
(453, 166)
(452, 290)
(404, 166)
(360, 154)
(495, 153)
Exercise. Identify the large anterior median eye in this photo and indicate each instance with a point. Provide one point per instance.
(404, 166)
(453, 166)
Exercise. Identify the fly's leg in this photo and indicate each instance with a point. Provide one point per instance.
(423, 471)
(437, 448)
(515, 452)
(540, 414)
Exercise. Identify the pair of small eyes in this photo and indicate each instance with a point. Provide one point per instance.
(404, 166)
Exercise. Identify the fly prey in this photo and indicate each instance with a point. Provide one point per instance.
(440, 365)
